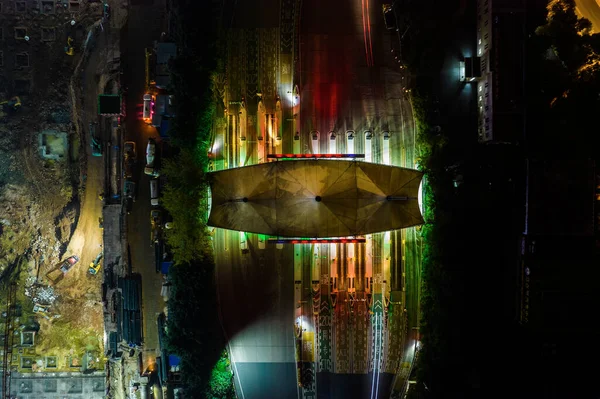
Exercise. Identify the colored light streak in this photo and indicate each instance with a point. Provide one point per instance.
(311, 156)
(316, 240)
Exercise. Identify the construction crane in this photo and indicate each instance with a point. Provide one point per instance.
(8, 339)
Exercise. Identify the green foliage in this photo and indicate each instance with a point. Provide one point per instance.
(564, 82)
(193, 329)
(185, 198)
(221, 381)
(566, 31)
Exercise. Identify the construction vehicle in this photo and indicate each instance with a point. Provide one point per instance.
(42, 310)
(95, 265)
(12, 105)
(94, 142)
(106, 12)
(56, 275)
(69, 49)
(69, 263)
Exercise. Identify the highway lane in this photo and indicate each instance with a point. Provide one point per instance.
(256, 289)
(340, 89)
(590, 9)
(256, 296)
(350, 81)
(143, 27)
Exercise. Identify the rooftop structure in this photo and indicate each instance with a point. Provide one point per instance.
(109, 104)
(324, 198)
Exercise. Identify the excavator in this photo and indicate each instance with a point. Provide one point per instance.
(69, 49)
(13, 105)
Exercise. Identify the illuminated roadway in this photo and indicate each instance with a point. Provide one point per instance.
(256, 289)
(256, 302)
(350, 82)
(347, 80)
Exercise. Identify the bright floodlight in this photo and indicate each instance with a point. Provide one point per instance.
(420, 197)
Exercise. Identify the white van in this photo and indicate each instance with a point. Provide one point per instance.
(147, 112)
(154, 192)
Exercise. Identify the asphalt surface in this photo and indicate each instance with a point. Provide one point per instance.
(256, 289)
(590, 9)
(256, 298)
(143, 27)
(350, 81)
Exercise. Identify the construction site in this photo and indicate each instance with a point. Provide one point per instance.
(56, 57)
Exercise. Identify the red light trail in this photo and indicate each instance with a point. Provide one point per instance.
(367, 32)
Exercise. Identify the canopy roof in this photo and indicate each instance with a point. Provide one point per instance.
(308, 198)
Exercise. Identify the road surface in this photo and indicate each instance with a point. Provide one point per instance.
(351, 84)
(256, 301)
(256, 290)
(346, 80)
(144, 26)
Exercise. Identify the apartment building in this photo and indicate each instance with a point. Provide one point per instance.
(501, 33)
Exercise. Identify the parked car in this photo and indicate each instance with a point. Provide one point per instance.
(128, 205)
(155, 223)
(129, 190)
(154, 192)
(150, 168)
(129, 150)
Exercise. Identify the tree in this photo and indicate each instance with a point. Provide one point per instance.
(185, 198)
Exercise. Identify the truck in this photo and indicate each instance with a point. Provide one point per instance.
(69, 263)
(56, 275)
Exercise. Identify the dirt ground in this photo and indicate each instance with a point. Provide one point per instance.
(50, 209)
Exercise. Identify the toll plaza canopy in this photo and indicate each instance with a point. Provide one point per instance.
(315, 198)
